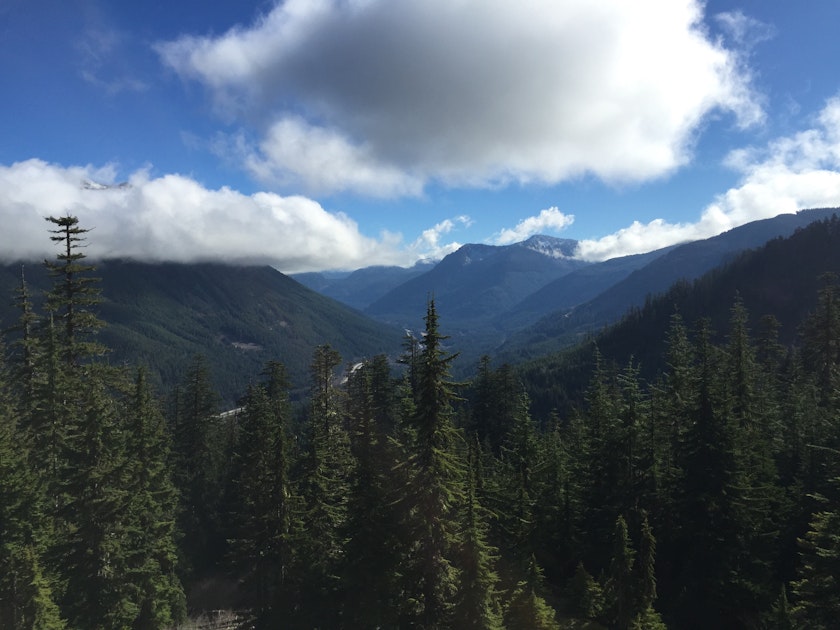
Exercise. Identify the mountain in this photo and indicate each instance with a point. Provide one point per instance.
(162, 315)
(782, 279)
(475, 283)
(363, 286)
(576, 287)
(685, 262)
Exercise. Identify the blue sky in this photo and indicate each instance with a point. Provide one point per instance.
(318, 134)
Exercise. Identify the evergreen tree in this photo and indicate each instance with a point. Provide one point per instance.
(74, 294)
(266, 508)
(620, 588)
(325, 489)
(435, 489)
(96, 547)
(477, 603)
(26, 376)
(199, 445)
(646, 618)
(151, 514)
(818, 589)
(373, 549)
(527, 608)
(26, 595)
(586, 595)
(705, 545)
(821, 336)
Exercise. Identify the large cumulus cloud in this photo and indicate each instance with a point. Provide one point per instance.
(381, 97)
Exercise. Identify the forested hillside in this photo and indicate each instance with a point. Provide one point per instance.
(565, 328)
(704, 496)
(162, 315)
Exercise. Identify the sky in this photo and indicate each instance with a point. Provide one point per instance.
(337, 134)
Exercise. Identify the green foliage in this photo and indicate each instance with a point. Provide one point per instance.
(266, 511)
(436, 484)
(586, 595)
(527, 609)
(200, 441)
(818, 589)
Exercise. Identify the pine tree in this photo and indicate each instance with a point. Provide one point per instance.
(705, 544)
(373, 549)
(646, 617)
(325, 488)
(435, 489)
(818, 589)
(821, 335)
(151, 514)
(527, 608)
(74, 293)
(477, 603)
(26, 595)
(586, 595)
(26, 376)
(95, 548)
(266, 508)
(199, 471)
(619, 590)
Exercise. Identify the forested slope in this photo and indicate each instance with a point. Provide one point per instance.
(163, 315)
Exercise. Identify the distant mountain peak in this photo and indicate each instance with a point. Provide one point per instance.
(551, 246)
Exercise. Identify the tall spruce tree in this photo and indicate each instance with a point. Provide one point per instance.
(372, 550)
(266, 508)
(477, 603)
(26, 594)
(199, 470)
(325, 488)
(74, 293)
(436, 485)
(151, 513)
(95, 546)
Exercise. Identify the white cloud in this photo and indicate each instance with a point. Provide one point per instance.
(789, 174)
(548, 220)
(744, 30)
(428, 245)
(295, 152)
(174, 218)
(388, 96)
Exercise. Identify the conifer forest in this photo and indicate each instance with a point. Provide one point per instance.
(706, 496)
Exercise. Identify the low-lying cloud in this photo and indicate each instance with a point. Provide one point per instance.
(381, 98)
(174, 218)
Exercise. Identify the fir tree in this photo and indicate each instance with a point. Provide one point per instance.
(26, 595)
(74, 294)
(372, 551)
(818, 589)
(199, 471)
(325, 488)
(151, 514)
(435, 489)
(477, 603)
(96, 548)
(527, 608)
(266, 508)
(619, 590)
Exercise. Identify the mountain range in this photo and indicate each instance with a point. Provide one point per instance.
(513, 302)
(530, 298)
(778, 284)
